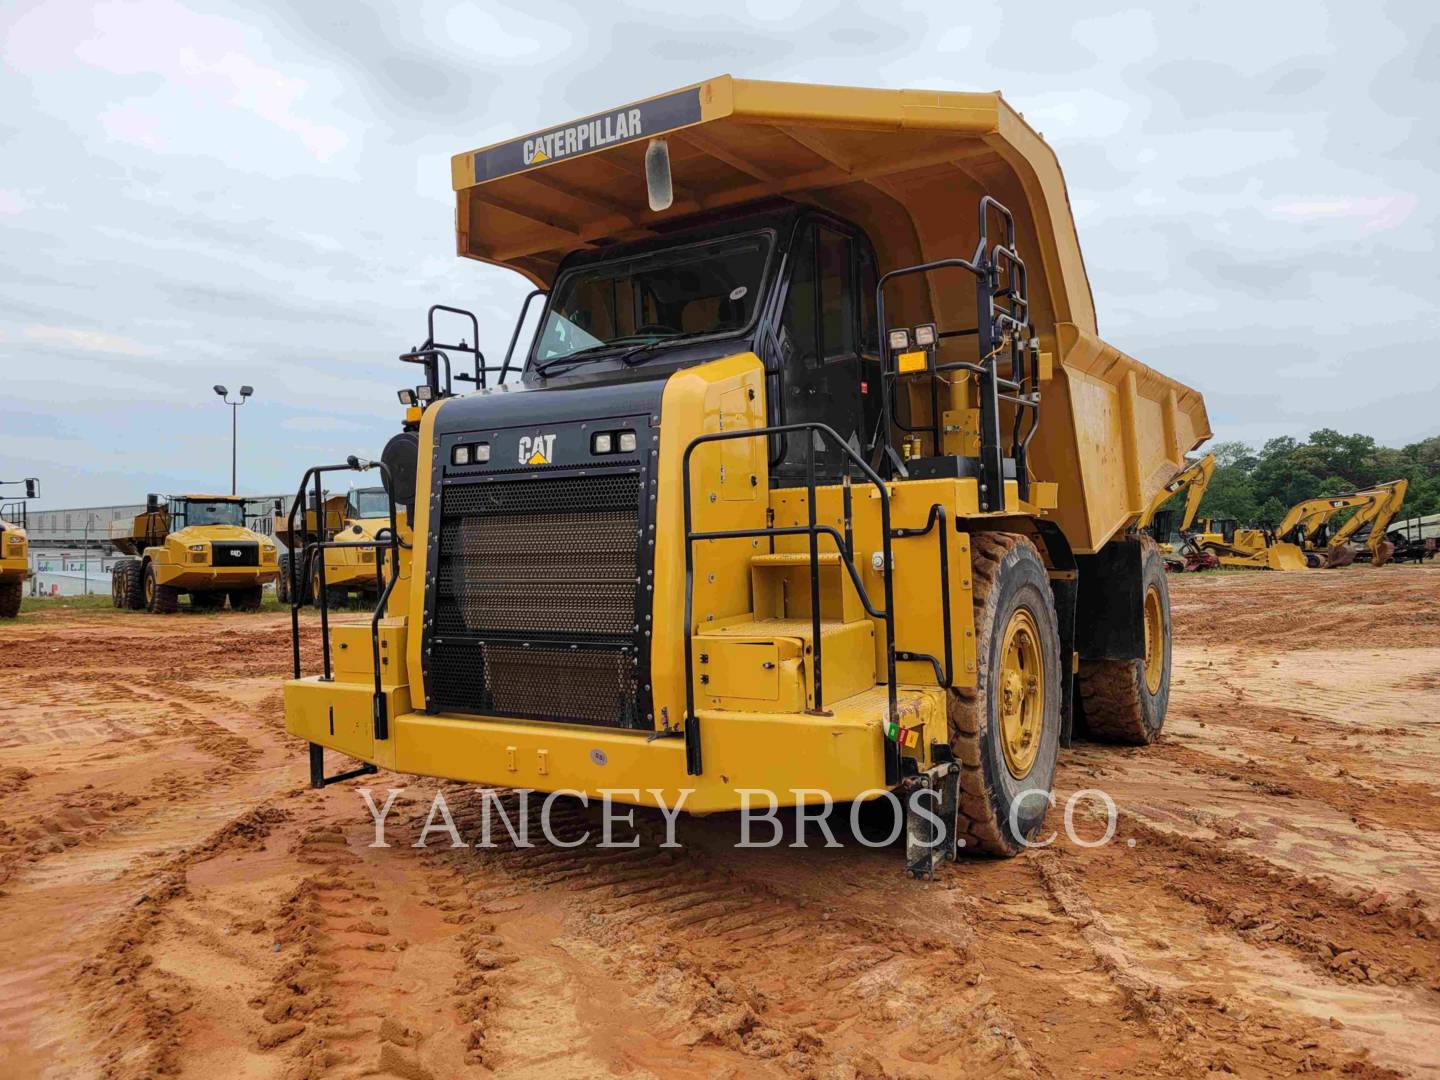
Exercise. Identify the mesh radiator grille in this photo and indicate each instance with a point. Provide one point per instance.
(535, 599)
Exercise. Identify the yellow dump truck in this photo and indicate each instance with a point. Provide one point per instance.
(816, 476)
(15, 549)
(350, 571)
(196, 544)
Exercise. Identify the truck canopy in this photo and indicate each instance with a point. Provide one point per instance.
(908, 166)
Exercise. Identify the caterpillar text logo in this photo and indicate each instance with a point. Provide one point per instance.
(537, 449)
(587, 135)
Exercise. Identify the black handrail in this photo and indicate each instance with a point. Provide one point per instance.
(515, 334)
(311, 550)
(693, 761)
(936, 520)
(1002, 316)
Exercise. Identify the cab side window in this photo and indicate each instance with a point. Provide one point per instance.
(820, 358)
(837, 295)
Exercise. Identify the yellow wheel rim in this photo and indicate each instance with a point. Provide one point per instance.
(149, 588)
(1021, 694)
(1154, 641)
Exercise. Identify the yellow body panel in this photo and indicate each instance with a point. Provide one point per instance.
(179, 567)
(14, 552)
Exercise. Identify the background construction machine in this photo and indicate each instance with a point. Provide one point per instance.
(15, 547)
(350, 571)
(1329, 545)
(1162, 525)
(1305, 537)
(816, 477)
(196, 544)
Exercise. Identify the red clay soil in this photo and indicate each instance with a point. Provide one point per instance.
(175, 901)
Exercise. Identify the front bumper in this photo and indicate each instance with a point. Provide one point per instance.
(204, 578)
(842, 754)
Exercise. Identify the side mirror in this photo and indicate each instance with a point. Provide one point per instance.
(32, 488)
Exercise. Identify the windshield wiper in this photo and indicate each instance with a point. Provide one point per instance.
(593, 353)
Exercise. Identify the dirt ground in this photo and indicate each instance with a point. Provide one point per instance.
(175, 900)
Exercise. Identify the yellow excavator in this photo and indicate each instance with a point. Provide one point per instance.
(1308, 523)
(1303, 539)
(769, 501)
(1161, 524)
(15, 548)
(196, 544)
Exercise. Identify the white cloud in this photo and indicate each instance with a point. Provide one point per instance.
(182, 81)
(320, 423)
(13, 203)
(87, 340)
(1373, 211)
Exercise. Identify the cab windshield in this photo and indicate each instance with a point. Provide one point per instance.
(369, 504)
(214, 513)
(688, 292)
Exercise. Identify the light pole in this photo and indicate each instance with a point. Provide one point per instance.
(85, 548)
(245, 392)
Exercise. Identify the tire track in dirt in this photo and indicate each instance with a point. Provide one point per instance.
(1347, 935)
(1395, 804)
(785, 983)
(136, 1011)
(1205, 1034)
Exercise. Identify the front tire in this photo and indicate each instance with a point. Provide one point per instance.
(1005, 732)
(159, 599)
(1124, 701)
(11, 594)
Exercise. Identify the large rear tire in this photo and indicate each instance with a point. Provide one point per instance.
(135, 583)
(1006, 731)
(11, 595)
(127, 589)
(1124, 701)
(159, 599)
(282, 583)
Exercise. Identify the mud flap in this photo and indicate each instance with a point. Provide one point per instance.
(318, 779)
(930, 831)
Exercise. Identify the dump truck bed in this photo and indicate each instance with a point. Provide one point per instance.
(906, 165)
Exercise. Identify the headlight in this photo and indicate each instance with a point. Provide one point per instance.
(197, 547)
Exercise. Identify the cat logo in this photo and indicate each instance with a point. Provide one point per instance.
(537, 449)
(234, 553)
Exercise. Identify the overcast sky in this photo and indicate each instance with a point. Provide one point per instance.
(198, 192)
